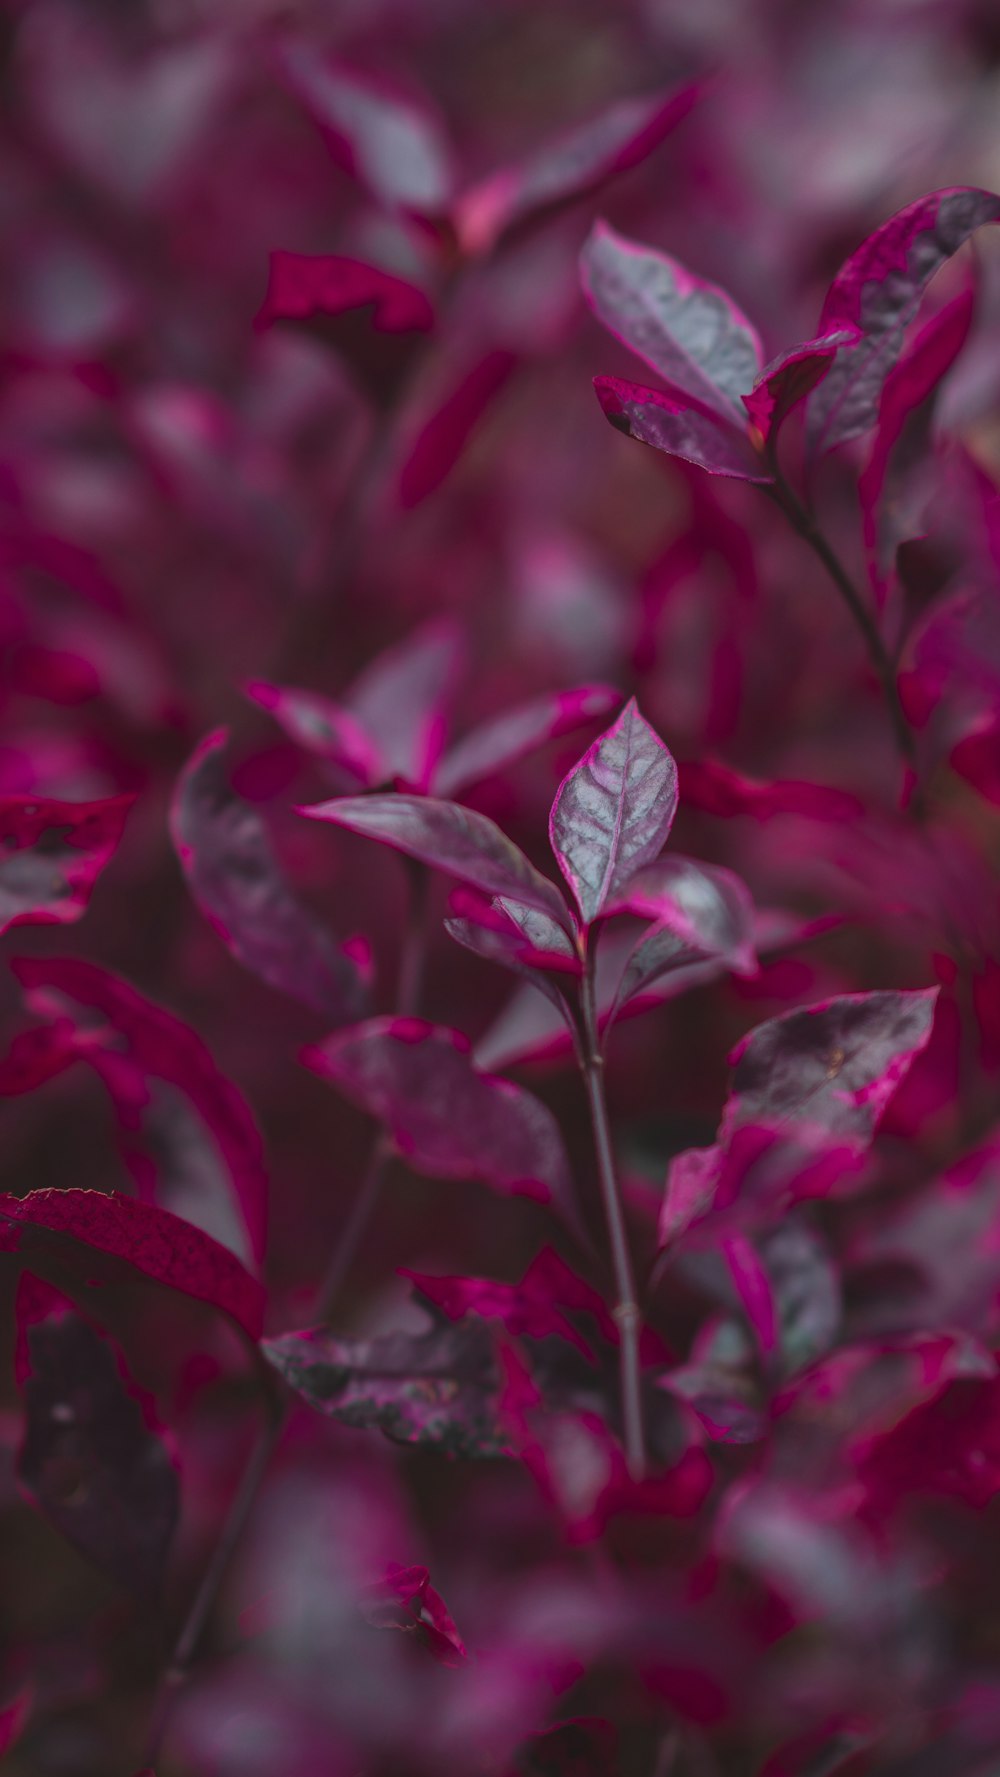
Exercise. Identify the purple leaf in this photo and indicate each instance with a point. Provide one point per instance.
(613, 811)
(525, 1309)
(788, 379)
(406, 1600)
(75, 1225)
(440, 1388)
(673, 422)
(716, 788)
(391, 145)
(238, 884)
(571, 166)
(116, 1025)
(805, 1290)
(489, 932)
(450, 409)
(451, 838)
(401, 698)
(90, 1459)
(705, 906)
(496, 744)
(830, 1069)
(328, 730)
(446, 1119)
(878, 292)
(51, 854)
(690, 332)
(317, 286)
(753, 1288)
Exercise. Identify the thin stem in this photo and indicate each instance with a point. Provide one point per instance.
(626, 1311)
(353, 1231)
(805, 525)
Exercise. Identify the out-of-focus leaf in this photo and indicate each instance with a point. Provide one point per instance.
(452, 838)
(238, 884)
(401, 701)
(51, 854)
(805, 1289)
(526, 1309)
(612, 813)
(788, 379)
(707, 908)
(406, 1600)
(584, 1747)
(74, 1225)
(443, 421)
(317, 286)
(501, 742)
(672, 421)
(447, 1119)
(878, 292)
(717, 789)
(321, 727)
(439, 1388)
(90, 1458)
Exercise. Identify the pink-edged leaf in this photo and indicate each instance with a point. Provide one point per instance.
(450, 410)
(805, 1289)
(91, 1458)
(406, 1600)
(689, 331)
(909, 384)
(401, 701)
(569, 167)
(317, 286)
(447, 1119)
(51, 854)
(705, 906)
(716, 788)
(788, 379)
(671, 421)
(501, 742)
(692, 1178)
(118, 1024)
(238, 884)
(878, 292)
(390, 144)
(526, 1309)
(829, 1069)
(612, 813)
(323, 728)
(439, 1388)
(753, 1288)
(451, 838)
(151, 1241)
(489, 931)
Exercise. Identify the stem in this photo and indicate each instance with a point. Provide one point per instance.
(802, 521)
(626, 1311)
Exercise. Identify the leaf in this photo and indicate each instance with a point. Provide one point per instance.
(689, 331)
(406, 1600)
(401, 698)
(569, 167)
(311, 286)
(705, 906)
(451, 406)
(446, 1119)
(830, 1069)
(806, 1292)
(149, 1240)
(439, 1388)
(612, 813)
(489, 932)
(321, 727)
(674, 422)
(788, 379)
(122, 1024)
(451, 838)
(390, 144)
(524, 1309)
(496, 744)
(90, 1458)
(716, 788)
(878, 291)
(234, 877)
(51, 854)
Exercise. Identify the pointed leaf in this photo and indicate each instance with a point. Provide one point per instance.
(447, 1119)
(323, 728)
(90, 1459)
(613, 811)
(75, 1225)
(401, 701)
(878, 291)
(226, 855)
(754, 1289)
(525, 1309)
(687, 330)
(451, 838)
(51, 854)
(716, 788)
(406, 1600)
(314, 286)
(451, 404)
(675, 423)
(440, 1388)
(501, 742)
(788, 379)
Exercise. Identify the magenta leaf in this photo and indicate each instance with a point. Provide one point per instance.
(718, 789)
(489, 932)
(451, 838)
(406, 1600)
(447, 1119)
(51, 854)
(569, 167)
(707, 908)
(501, 742)
(439, 1388)
(90, 1458)
(878, 292)
(451, 406)
(687, 330)
(753, 1287)
(526, 1309)
(805, 1289)
(321, 727)
(129, 1040)
(400, 701)
(390, 144)
(316, 286)
(788, 379)
(238, 884)
(613, 811)
(674, 422)
(75, 1225)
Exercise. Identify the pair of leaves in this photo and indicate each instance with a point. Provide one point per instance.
(721, 408)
